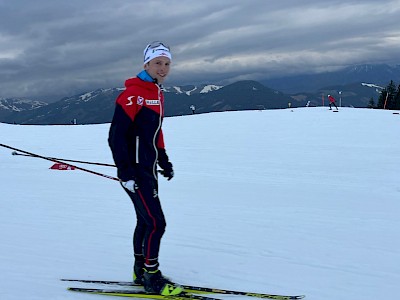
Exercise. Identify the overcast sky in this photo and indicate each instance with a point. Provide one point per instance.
(52, 48)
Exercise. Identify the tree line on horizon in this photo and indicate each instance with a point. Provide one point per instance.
(389, 98)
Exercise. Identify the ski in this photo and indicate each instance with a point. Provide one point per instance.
(197, 289)
(140, 294)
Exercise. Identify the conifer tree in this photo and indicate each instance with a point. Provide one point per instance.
(381, 99)
(392, 94)
(397, 99)
(371, 103)
(387, 98)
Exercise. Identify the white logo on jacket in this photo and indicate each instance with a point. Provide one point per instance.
(153, 102)
(130, 100)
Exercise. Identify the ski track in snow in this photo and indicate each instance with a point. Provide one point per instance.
(292, 201)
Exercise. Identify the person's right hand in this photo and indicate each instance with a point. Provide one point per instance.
(129, 185)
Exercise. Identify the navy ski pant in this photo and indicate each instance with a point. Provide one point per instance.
(150, 225)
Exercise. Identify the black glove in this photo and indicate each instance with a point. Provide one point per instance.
(169, 173)
(165, 164)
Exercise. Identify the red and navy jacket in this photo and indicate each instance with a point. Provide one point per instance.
(331, 99)
(135, 136)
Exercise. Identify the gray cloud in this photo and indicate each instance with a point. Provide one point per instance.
(52, 48)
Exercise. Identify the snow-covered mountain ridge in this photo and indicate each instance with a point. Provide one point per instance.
(97, 106)
(20, 104)
(192, 89)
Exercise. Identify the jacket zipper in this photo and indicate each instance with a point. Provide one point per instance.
(137, 149)
(155, 135)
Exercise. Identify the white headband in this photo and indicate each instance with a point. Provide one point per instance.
(150, 53)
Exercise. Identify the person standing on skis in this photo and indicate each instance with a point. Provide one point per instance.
(332, 101)
(137, 145)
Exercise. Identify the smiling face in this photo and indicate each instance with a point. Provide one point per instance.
(158, 68)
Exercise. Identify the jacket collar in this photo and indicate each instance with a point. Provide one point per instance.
(143, 75)
(146, 76)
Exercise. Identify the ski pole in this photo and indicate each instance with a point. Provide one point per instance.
(69, 160)
(60, 162)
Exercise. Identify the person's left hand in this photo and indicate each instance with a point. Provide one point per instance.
(169, 173)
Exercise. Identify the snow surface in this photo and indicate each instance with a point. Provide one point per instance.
(301, 201)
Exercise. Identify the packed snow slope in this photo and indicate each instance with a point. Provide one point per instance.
(302, 201)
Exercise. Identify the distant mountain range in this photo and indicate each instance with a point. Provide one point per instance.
(354, 86)
(19, 104)
(379, 74)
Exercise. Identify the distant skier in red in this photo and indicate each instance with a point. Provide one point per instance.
(332, 101)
